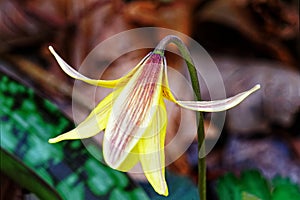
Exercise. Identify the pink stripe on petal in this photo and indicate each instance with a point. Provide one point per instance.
(133, 111)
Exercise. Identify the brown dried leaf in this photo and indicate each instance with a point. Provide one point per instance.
(270, 24)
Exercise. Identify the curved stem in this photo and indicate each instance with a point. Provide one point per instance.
(196, 87)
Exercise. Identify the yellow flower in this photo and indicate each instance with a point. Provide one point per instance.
(134, 117)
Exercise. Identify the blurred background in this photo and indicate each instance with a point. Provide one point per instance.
(251, 41)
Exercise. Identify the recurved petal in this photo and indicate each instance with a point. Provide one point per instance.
(104, 83)
(206, 106)
(93, 124)
(133, 112)
(217, 105)
(151, 151)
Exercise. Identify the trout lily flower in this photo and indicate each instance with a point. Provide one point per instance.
(134, 117)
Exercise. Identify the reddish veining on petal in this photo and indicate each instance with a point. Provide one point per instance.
(136, 106)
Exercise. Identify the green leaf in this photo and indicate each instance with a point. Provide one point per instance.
(253, 186)
(247, 196)
(284, 189)
(26, 123)
(254, 183)
(119, 194)
(229, 187)
(99, 179)
(26, 177)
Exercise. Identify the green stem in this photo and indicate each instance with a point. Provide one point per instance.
(195, 84)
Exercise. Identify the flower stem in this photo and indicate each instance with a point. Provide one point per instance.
(196, 87)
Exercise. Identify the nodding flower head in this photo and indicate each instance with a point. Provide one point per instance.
(134, 117)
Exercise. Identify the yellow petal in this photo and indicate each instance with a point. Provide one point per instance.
(217, 105)
(166, 92)
(132, 112)
(104, 83)
(93, 124)
(207, 106)
(151, 150)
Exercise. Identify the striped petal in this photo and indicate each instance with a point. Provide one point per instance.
(132, 112)
(104, 83)
(151, 151)
(93, 124)
(207, 106)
